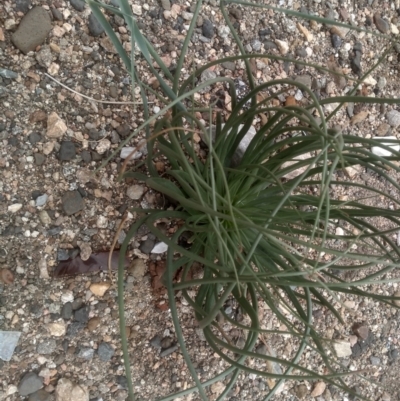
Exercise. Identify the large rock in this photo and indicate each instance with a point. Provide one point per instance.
(66, 390)
(32, 30)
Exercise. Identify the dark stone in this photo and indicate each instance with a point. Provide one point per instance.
(39, 159)
(208, 29)
(72, 202)
(394, 354)
(81, 315)
(13, 141)
(123, 130)
(156, 342)
(54, 231)
(105, 352)
(34, 138)
(301, 52)
(82, 192)
(94, 134)
(35, 194)
(96, 157)
(95, 28)
(154, 13)
(29, 384)
(57, 14)
(147, 245)
(336, 41)
(46, 347)
(122, 381)
(362, 345)
(40, 395)
(382, 25)
(355, 63)
(62, 254)
(75, 328)
(264, 32)
(22, 5)
(86, 156)
(358, 47)
(269, 45)
(66, 311)
(67, 151)
(168, 351)
(79, 5)
(33, 30)
(77, 303)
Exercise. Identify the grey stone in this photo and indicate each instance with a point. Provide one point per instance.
(105, 351)
(40, 395)
(393, 117)
(79, 5)
(34, 138)
(166, 4)
(229, 65)
(82, 315)
(72, 202)
(86, 156)
(336, 41)
(57, 14)
(168, 351)
(29, 384)
(256, 45)
(75, 328)
(66, 311)
(208, 29)
(304, 79)
(95, 28)
(46, 347)
(94, 134)
(8, 74)
(147, 245)
(156, 341)
(355, 63)
(301, 52)
(39, 159)
(32, 30)
(41, 200)
(269, 45)
(207, 75)
(374, 360)
(381, 24)
(86, 353)
(22, 5)
(67, 151)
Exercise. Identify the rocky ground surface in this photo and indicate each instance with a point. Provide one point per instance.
(51, 206)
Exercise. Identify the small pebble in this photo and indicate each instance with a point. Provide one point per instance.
(99, 289)
(105, 351)
(95, 28)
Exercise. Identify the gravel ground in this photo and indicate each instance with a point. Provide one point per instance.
(51, 205)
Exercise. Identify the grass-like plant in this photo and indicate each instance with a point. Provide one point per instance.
(261, 224)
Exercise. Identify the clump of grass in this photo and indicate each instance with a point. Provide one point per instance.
(262, 227)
